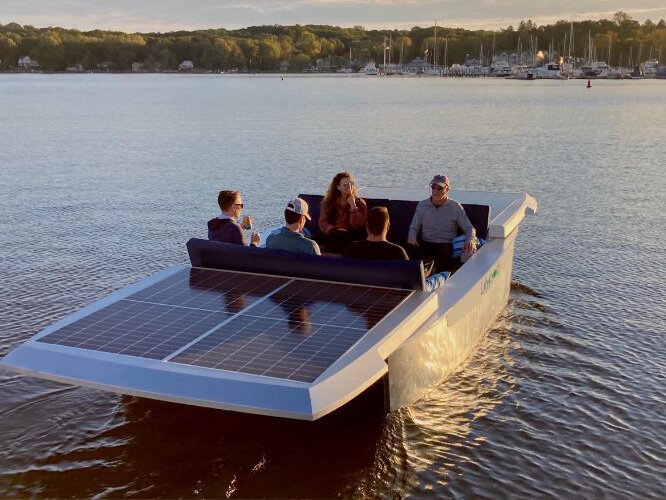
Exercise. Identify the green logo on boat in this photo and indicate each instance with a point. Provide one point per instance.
(488, 280)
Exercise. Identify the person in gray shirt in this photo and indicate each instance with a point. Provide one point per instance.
(290, 237)
(435, 224)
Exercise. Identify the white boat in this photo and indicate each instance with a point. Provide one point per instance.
(595, 69)
(650, 68)
(370, 69)
(501, 68)
(265, 332)
(550, 71)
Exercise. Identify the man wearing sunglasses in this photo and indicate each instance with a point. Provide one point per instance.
(435, 224)
(225, 227)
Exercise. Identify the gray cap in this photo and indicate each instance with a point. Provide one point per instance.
(440, 180)
(299, 206)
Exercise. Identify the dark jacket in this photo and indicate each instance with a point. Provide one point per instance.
(226, 231)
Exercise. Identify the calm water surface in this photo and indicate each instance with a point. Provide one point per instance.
(104, 177)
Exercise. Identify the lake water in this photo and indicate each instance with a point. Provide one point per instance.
(104, 177)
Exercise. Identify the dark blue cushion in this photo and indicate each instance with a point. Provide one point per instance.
(394, 273)
(314, 205)
(479, 216)
(401, 213)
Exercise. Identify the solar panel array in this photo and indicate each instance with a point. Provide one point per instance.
(256, 324)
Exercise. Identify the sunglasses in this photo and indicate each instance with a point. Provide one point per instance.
(436, 187)
(240, 205)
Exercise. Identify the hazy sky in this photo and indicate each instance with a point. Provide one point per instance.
(167, 15)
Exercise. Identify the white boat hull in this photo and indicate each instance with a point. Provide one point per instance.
(450, 337)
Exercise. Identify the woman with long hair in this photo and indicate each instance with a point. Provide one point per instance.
(343, 213)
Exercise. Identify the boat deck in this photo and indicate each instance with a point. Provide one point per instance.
(241, 330)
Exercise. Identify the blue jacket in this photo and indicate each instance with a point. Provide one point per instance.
(226, 231)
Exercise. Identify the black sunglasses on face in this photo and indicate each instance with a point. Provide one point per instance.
(436, 187)
(238, 205)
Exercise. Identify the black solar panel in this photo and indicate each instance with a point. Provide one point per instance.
(278, 327)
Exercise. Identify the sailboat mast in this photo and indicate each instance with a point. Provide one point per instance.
(390, 47)
(434, 55)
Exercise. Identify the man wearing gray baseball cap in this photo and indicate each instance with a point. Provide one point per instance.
(290, 237)
(435, 224)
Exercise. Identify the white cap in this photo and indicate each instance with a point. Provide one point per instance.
(299, 206)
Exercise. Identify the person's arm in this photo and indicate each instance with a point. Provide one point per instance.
(237, 235)
(323, 223)
(415, 226)
(255, 239)
(358, 216)
(316, 248)
(464, 223)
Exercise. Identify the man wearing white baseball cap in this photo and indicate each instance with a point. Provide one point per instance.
(290, 237)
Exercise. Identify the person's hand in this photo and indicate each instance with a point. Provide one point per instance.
(469, 246)
(352, 202)
(255, 238)
(413, 242)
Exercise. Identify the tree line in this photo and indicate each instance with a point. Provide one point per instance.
(263, 48)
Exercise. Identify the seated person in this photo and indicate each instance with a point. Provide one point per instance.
(290, 237)
(435, 224)
(225, 227)
(343, 214)
(376, 246)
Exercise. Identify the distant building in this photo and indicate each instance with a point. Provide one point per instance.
(324, 65)
(77, 68)
(107, 66)
(138, 67)
(186, 66)
(284, 65)
(417, 65)
(27, 63)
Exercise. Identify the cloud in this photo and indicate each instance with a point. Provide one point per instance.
(166, 15)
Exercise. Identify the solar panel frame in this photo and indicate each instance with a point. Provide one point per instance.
(172, 300)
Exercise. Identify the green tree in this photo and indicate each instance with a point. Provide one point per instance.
(308, 44)
(299, 62)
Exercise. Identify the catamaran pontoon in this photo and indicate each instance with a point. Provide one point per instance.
(281, 334)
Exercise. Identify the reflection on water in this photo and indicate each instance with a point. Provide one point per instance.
(565, 397)
(150, 448)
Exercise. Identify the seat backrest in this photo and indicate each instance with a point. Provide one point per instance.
(402, 212)
(314, 205)
(479, 216)
(388, 273)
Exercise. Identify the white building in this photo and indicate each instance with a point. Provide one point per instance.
(27, 63)
(186, 66)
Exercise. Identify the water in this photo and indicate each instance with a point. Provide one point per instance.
(104, 178)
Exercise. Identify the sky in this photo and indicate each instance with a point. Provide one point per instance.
(170, 15)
